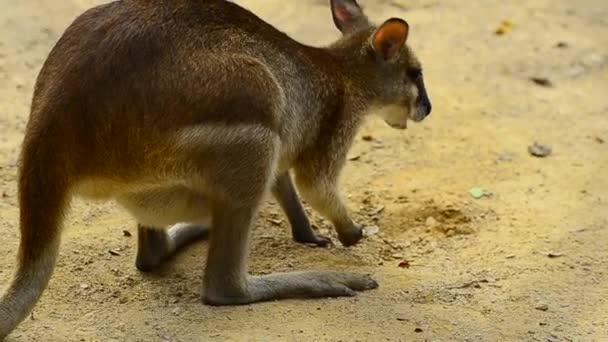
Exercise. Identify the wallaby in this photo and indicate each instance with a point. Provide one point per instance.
(193, 111)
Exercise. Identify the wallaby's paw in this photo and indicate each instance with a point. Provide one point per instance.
(351, 237)
(317, 241)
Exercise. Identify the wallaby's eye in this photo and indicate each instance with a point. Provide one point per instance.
(414, 73)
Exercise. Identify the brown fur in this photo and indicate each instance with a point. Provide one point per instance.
(191, 109)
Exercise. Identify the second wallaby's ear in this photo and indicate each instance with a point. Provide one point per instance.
(347, 14)
(390, 37)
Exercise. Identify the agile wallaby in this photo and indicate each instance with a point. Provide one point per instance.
(192, 111)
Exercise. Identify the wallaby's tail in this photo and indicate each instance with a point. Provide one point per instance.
(42, 200)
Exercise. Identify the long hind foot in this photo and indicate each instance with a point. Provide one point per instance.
(155, 245)
(309, 284)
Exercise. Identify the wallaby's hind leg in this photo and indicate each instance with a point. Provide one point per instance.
(164, 207)
(157, 245)
(285, 193)
(228, 283)
(226, 280)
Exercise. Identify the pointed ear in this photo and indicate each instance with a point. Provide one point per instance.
(347, 14)
(390, 37)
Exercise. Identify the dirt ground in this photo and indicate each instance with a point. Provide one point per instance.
(525, 262)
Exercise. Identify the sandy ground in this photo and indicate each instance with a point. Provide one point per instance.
(526, 262)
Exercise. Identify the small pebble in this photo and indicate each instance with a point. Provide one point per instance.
(554, 255)
(542, 307)
(542, 81)
(539, 150)
(430, 221)
(371, 230)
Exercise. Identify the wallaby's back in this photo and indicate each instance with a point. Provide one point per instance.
(156, 64)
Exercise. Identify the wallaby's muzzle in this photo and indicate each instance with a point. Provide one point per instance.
(423, 104)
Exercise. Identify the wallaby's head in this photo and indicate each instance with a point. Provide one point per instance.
(388, 72)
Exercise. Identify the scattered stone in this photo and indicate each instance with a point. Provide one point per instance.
(377, 144)
(510, 256)
(542, 81)
(478, 193)
(430, 221)
(405, 264)
(378, 210)
(599, 140)
(542, 307)
(114, 252)
(354, 157)
(176, 311)
(371, 230)
(555, 255)
(126, 233)
(418, 330)
(276, 222)
(367, 138)
(4, 195)
(539, 150)
(505, 157)
(397, 256)
(504, 28)
(84, 286)
(402, 319)
(561, 45)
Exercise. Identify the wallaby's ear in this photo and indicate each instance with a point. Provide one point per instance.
(390, 38)
(347, 14)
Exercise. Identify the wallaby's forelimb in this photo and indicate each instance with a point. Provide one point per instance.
(156, 245)
(320, 190)
(301, 229)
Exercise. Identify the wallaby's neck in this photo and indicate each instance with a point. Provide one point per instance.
(333, 76)
(334, 104)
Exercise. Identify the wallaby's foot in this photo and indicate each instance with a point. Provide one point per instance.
(313, 239)
(301, 229)
(293, 285)
(350, 236)
(157, 245)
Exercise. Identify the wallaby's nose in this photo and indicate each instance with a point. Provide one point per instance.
(429, 108)
(424, 103)
(426, 107)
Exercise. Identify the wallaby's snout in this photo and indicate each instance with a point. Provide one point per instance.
(423, 103)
